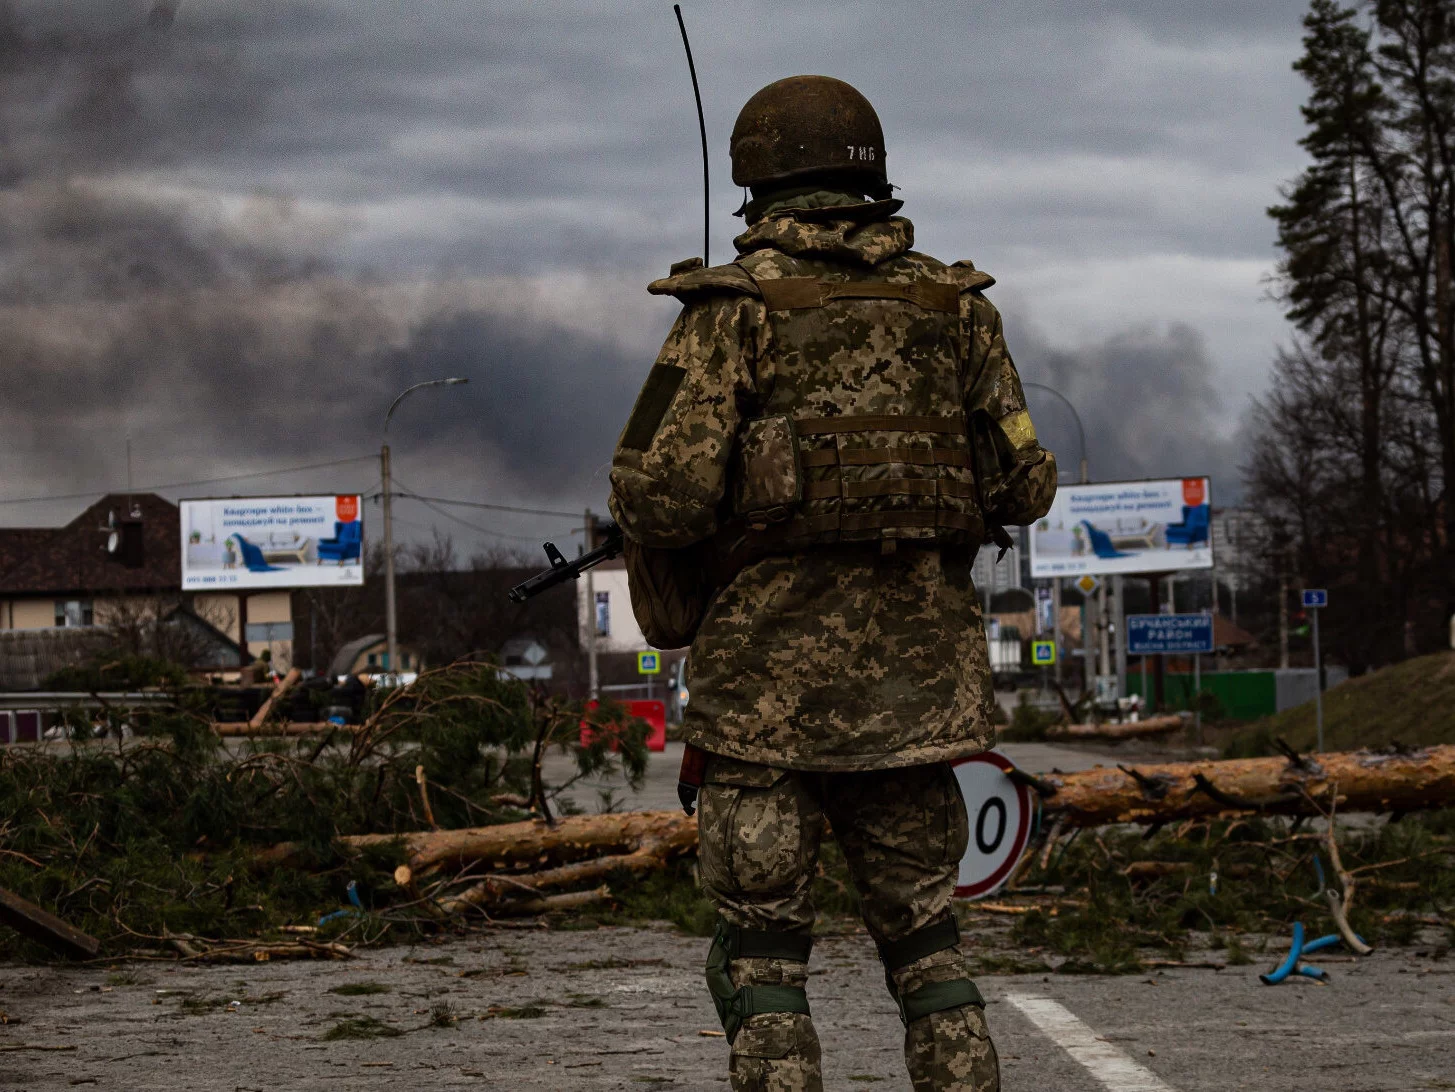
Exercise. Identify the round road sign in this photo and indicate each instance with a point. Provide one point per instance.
(1000, 823)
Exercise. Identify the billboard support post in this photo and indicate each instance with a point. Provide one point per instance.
(391, 636)
(1197, 695)
(1119, 619)
(1056, 623)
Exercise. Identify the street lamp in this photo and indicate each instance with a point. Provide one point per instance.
(390, 633)
(1080, 432)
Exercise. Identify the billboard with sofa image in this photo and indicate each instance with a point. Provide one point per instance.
(1125, 527)
(272, 542)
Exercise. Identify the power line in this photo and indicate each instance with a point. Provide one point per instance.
(199, 481)
(427, 502)
(491, 507)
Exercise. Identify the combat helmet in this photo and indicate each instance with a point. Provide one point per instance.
(808, 126)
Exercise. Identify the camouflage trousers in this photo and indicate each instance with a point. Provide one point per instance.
(902, 832)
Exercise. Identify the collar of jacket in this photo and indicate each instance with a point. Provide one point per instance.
(835, 237)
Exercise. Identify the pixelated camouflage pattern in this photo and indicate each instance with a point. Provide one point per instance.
(768, 481)
(832, 659)
(774, 1051)
(903, 833)
(950, 1050)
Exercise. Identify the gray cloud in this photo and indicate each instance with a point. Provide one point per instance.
(233, 231)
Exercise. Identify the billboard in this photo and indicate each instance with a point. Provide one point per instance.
(1125, 527)
(272, 542)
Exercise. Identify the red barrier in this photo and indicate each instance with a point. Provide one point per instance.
(653, 712)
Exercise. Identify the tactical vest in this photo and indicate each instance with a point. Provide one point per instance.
(861, 433)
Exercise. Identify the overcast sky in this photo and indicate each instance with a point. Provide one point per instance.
(232, 230)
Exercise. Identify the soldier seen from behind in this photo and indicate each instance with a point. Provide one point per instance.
(832, 430)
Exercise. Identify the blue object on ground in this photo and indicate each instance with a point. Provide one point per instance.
(1291, 963)
(253, 557)
(356, 908)
(1101, 542)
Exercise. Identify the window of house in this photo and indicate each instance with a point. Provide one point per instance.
(75, 612)
(373, 659)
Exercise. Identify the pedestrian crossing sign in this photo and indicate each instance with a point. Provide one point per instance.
(1043, 653)
(649, 663)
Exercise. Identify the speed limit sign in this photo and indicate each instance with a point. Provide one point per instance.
(1000, 822)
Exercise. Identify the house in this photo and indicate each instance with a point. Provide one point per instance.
(369, 655)
(119, 564)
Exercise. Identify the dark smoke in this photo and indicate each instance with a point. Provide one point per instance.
(220, 340)
(1149, 401)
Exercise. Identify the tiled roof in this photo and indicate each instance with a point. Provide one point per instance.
(73, 558)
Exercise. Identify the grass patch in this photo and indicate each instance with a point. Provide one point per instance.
(442, 1014)
(361, 989)
(1412, 703)
(359, 1027)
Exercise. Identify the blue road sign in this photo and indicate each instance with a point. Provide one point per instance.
(1043, 653)
(1175, 633)
(1315, 597)
(649, 663)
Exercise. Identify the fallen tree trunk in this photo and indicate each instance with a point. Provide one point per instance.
(1363, 781)
(280, 728)
(532, 842)
(285, 684)
(1135, 729)
(587, 848)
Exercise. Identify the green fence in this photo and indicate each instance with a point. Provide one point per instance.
(1244, 695)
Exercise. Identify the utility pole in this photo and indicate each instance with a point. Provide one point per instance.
(1119, 621)
(592, 676)
(391, 636)
(1282, 615)
(391, 654)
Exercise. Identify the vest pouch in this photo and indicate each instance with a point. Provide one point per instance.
(768, 483)
(670, 591)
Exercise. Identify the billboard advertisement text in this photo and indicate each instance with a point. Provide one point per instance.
(1125, 527)
(272, 542)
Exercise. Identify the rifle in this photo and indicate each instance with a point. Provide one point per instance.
(562, 570)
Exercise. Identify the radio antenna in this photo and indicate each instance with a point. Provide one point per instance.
(701, 127)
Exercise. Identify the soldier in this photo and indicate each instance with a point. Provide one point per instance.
(832, 429)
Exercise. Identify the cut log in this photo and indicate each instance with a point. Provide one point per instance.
(280, 728)
(1363, 780)
(1134, 729)
(1150, 794)
(30, 920)
(495, 891)
(573, 838)
(283, 685)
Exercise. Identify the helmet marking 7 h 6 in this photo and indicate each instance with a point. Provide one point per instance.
(808, 125)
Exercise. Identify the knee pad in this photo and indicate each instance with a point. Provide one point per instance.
(735, 1004)
(934, 996)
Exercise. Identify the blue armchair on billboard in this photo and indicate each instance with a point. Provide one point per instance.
(345, 545)
(1193, 529)
(1101, 542)
(253, 557)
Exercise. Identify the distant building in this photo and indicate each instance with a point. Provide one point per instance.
(120, 562)
(369, 655)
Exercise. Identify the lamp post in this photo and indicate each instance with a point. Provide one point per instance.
(1085, 477)
(390, 632)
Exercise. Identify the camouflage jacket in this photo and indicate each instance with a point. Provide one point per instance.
(831, 659)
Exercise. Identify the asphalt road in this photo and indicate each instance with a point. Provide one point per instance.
(626, 1009)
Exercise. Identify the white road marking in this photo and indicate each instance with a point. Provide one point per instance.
(1105, 1062)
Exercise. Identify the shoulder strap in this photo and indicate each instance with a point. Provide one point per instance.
(690, 279)
(968, 278)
